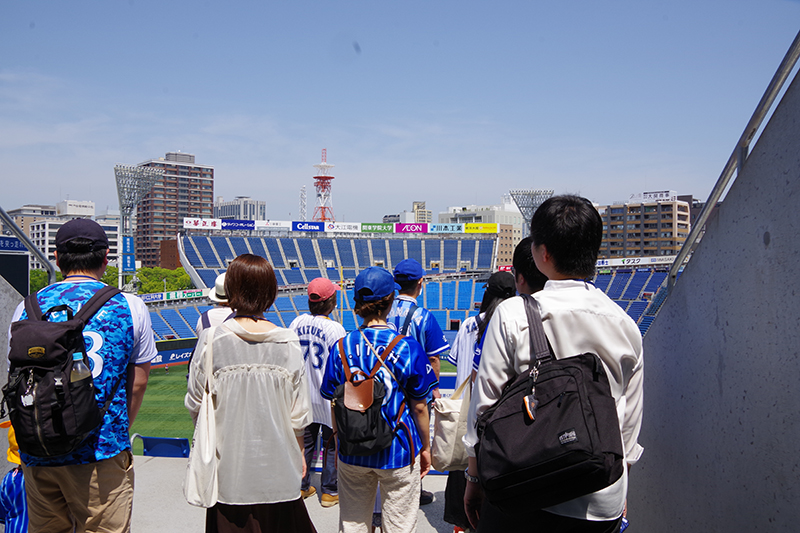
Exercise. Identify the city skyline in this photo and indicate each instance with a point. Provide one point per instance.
(451, 104)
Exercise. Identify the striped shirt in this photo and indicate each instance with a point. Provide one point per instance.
(412, 369)
(318, 335)
(13, 506)
(463, 351)
(423, 327)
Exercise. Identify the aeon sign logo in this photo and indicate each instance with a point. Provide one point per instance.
(308, 226)
(411, 228)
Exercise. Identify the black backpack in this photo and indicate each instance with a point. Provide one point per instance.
(360, 425)
(51, 415)
(553, 435)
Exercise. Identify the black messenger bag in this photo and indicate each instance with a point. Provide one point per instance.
(553, 435)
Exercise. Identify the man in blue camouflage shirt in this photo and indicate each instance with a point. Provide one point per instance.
(91, 489)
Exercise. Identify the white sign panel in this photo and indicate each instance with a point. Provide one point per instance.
(273, 224)
(343, 227)
(202, 223)
(637, 261)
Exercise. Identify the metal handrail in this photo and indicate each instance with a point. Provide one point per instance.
(738, 157)
(32, 248)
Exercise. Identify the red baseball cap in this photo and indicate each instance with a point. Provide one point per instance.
(320, 289)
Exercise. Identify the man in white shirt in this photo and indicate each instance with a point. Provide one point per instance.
(318, 335)
(577, 318)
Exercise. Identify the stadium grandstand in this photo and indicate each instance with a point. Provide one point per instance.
(457, 269)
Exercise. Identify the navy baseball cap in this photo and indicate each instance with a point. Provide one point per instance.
(408, 269)
(81, 228)
(374, 283)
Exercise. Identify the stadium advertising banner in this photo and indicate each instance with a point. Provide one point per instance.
(273, 224)
(343, 227)
(308, 226)
(236, 225)
(377, 228)
(445, 228)
(477, 227)
(202, 223)
(637, 261)
(12, 244)
(154, 297)
(410, 228)
(182, 295)
(166, 357)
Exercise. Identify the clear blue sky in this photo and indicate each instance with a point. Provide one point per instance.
(448, 102)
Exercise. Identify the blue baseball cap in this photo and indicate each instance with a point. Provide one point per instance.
(374, 283)
(408, 269)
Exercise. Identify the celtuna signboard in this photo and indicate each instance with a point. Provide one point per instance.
(446, 228)
(308, 226)
(411, 228)
(377, 228)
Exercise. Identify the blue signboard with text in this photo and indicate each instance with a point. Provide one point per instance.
(308, 226)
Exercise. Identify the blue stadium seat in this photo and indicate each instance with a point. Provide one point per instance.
(634, 289)
(362, 253)
(239, 246)
(283, 303)
(432, 300)
(208, 276)
(468, 251)
(312, 273)
(465, 299)
(379, 251)
(485, 253)
(177, 323)
(326, 250)
(345, 253)
(602, 281)
(294, 277)
(396, 253)
(349, 321)
(450, 260)
(190, 315)
(414, 250)
(223, 249)
(618, 284)
(307, 252)
(300, 302)
(448, 295)
(191, 253)
(433, 251)
(275, 257)
(257, 246)
(289, 249)
(160, 327)
(333, 274)
(636, 309)
(206, 253)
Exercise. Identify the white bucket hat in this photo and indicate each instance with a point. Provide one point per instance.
(218, 294)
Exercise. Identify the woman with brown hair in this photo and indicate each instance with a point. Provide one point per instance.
(261, 408)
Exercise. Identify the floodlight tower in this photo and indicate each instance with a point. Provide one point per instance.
(303, 210)
(528, 200)
(323, 212)
(133, 183)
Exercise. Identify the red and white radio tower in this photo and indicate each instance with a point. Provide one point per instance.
(323, 212)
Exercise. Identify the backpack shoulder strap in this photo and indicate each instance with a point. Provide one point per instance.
(382, 358)
(347, 374)
(205, 321)
(409, 317)
(540, 349)
(32, 306)
(96, 302)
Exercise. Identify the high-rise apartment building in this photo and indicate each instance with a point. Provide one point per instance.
(241, 208)
(650, 224)
(421, 215)
(187, 190)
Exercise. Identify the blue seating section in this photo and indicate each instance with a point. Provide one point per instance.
(208, 276)
(379, 250)
(275, 256)
(223, 249)
(312, 273)
(293, 277)
(448, 295)
(450, 255)
(432, 251)
(485, 253)
(190, 315)
(345, 253)
(432, 296)
(283, 303)
(258, 248)
(618, 284)
(396, 253)
(468, 251)
(160, 327)
(307, 253)
(602, 281)
(289, 249)
(176, 322)
(362, 253)
(326, 250)
(206, 253)
(636, 284)
(414, 250)
(465, 294)
(239, 246)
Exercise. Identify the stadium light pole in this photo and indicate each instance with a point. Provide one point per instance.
(528, 200)
(133, 183)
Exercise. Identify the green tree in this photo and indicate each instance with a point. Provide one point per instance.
(111, 277)
(153, 280)
(38, 279)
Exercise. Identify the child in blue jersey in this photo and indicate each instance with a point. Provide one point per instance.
(13, 505)
(407, 377)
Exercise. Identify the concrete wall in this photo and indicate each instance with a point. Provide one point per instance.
(722, 372)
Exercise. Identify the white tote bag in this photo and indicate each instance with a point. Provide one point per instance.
(450, 425)
(200, 485)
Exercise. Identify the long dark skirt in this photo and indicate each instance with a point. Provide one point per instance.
(259, 518)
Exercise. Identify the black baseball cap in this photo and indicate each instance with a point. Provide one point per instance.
(81, 228)
(501, 284)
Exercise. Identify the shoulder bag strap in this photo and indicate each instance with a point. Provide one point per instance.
(348, 375)
(96, 302)
(381, 358)
(32, 307)
(540, 349)
(208, 360)
(409, 317)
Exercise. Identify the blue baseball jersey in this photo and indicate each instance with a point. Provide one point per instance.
(423, 327)
(119, 334)
(13, 504)
(410, 366)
